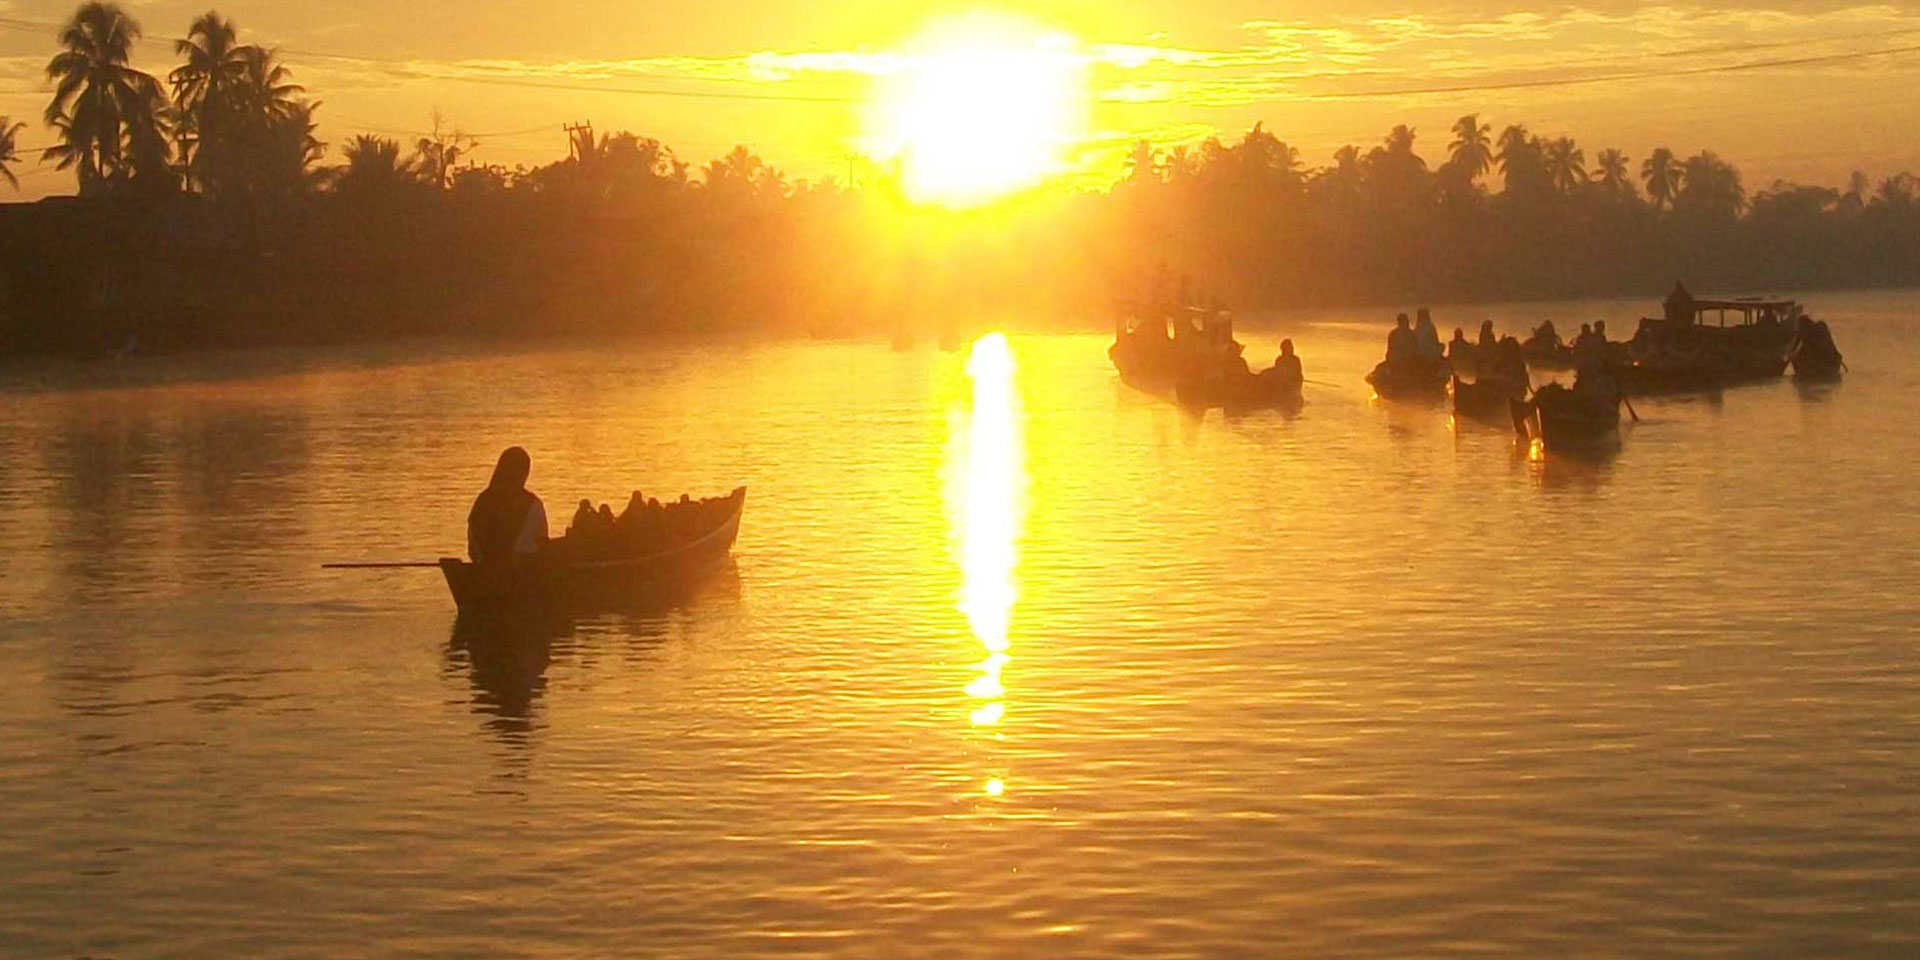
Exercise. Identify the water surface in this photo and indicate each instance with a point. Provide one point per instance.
(1016, 663)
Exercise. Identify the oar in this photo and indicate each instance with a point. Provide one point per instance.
(1629, 402)
(1323, 383)
(419, 565)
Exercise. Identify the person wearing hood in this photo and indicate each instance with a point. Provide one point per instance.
(507, 521)
(1428, 336)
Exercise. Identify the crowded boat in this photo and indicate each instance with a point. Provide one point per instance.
(643, 550)
(1488, 379)
(1416, 369)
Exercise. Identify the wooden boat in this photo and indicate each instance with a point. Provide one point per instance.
(1567, 423)
(1680, 352)
(1154, 353)
(1417, 382)
(558, 585)
(1485, 401)
(1238, 391)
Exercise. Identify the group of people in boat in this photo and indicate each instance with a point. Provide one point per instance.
(1416, 364)
(508, 522)
(1495, 370)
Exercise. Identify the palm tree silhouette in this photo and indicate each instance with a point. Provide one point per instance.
(1662, 177)
(1521, 165)
(375, 167)
(203, 91)
(9, 152)
(1611, 172)
(1472, 148)
(111, 118)
(1566, 164)
(1142, 162)
(1710, 187)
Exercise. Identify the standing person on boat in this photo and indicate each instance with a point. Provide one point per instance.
(507, 521)
(1488, 341)
(1402, 347)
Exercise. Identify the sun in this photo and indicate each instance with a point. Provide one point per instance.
(979, 106)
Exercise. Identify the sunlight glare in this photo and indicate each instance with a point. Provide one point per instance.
(980, 106)
(985, 494)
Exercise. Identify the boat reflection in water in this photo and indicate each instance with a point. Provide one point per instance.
(986, 488)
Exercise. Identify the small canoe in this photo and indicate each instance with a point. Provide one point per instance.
(537, 586)
(1416, 382)
(1567, 423)
(1238, 391)
(1485, 401)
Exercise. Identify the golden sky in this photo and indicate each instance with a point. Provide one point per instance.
(1793, 89)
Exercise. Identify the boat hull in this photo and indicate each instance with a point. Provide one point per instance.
(1415, 383)
(1487, 402)
(594, 585)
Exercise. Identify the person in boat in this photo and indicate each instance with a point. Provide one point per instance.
(1595, 383)
(1428, 337)
(1402, 347)
(1509, 363)
(1545, 337)
(1588, 344)
(585, 518)
(1458, 348)
(1488, 341)
(1679, 305)
(1286, 370)
(1812, 338)
(508, 521)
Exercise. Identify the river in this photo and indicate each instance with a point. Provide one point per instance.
(1013, 661)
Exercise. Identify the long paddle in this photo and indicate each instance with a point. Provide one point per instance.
(419, 565)
(1629, 402)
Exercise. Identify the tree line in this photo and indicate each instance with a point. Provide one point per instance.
(1384, 224)
(207, 216)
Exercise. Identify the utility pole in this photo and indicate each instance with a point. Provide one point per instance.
(573, 140)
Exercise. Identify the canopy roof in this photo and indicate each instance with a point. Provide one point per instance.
(1744, 304)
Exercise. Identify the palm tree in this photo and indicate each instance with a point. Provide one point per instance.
(110, 117)
(1611, 172)
(1662, 177)
(9, 152)
(1472, 148)
(1142, 163)
(1521, 164)
(204, 85)
(375, 167)
(1710, 187)
(1566, 164)
(1399, 143)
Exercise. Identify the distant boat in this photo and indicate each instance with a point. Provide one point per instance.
(1239, 391)
(1681, 352)
(1154, 352)
(558, 586)
(1412, 382)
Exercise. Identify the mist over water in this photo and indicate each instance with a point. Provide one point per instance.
(1012, 662)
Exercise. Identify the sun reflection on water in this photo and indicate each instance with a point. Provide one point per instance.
(985, 497)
